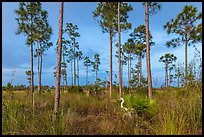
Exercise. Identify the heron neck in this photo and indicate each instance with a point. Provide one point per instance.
(122, 103)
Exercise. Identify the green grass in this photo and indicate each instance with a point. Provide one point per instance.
(171, 112)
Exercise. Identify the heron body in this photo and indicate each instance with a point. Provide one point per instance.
(126, 109)
(121, 105)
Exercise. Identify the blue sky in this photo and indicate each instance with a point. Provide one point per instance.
(15, 53)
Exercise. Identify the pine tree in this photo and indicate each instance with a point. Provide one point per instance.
(139, 39)
(44, 32)
(167, 59)
(59, 52)
(106, 12)
(96, 64)
(71, 30)
(28, 13)
(151, 8)
(87, 63)
(186, 31)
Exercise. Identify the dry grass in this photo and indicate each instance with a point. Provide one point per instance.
(168, 113)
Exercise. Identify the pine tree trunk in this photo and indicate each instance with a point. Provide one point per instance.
(148, 52)
(169, 76)
(86, 75)
(72, 71)
(178, 75)
(74, 66)
(66, 78)
(166, 70)
(139, 69)
(129, 73)
(186, 61)
(77, 71)
(64, 68)
(31, 72)
(38, 56)
(57, 91)
(111, 63)
(130, 66)
(119, 58)
(40, 72)
(96, 76)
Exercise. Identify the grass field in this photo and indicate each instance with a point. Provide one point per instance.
(172, 111)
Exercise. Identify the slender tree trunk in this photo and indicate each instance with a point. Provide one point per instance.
(40, 71)
(166, 71)
(63, 69)
(74, 66)
(72, 71)
(122, 73)
(178, 75)
(186, 61)
(32, 75)
(38, 56)
(119, 58)
(169, 76)
(78, 71)
(86, 75)
(129, 73)
(59, 52)
(66, 79)
(96, 76)
(148, 52)
(130, 66)
(139, 70)
(31, 71)
(111, 63)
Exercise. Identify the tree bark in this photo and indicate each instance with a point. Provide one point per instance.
(139, 65)
(31, 73)
(148, 52)
(77, 71)
(119, 57)
(178, 75)
(166, 72)
(169, 78)
(64, 68)
(31, 67)
(38, 56)
(86, 75)
(186, 61)
(57, 91)
(74, 66)
(129, 73)
(130, 66)
(72, 71)
(111, 63)
(40, 72)
(96, 76)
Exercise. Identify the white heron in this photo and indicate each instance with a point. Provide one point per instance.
(126, 109)
(121, 105)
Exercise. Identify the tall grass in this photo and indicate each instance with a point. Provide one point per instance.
(169, 112)
(180, 112)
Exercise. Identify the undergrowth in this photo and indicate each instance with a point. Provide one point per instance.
(174, 111)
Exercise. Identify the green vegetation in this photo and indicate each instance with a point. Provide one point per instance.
(171, 111)
(96, 108)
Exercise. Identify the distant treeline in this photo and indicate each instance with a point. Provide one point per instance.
(24, 87)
